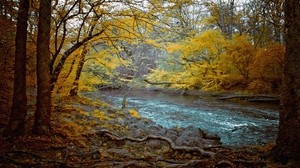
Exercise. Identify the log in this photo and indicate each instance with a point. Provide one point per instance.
(252, 98)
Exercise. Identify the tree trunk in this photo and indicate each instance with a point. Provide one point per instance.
(74, 89)
(16, 124)
(287, 146)
(43, 106)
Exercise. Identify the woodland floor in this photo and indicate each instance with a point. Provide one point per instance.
(86, 133)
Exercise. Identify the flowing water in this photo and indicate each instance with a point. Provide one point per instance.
(237, 123)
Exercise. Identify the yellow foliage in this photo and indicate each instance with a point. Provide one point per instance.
(175, 47)
(100, 115)
(134, 113)
(240, 54)
(207, 46)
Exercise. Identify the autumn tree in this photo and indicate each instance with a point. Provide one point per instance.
(16, 125)
(43, 106)
(223, 16)
(75, 85)
(287, 148)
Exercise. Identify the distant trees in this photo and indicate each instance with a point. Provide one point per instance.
(245, 55)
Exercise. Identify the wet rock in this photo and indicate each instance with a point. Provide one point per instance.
(212, 136)
(210, 142)
(172, 133)
(156, 130)
(137, 133)
(190, 136)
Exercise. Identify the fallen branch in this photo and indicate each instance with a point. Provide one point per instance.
(251, 98)
(154, 137)
(158, 83)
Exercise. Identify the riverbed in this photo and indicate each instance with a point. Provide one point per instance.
(237, 123)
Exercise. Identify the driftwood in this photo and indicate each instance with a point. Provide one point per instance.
(158, 83)
(154, 137)
(251, 98)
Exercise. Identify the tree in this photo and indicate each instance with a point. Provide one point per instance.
(43, 106)
(16, 124)
(287, 146)
(8, 19)
(81, 55)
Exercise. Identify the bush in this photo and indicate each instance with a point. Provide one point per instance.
(260, 86)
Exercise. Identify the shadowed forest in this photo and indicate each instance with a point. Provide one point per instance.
(149, 83)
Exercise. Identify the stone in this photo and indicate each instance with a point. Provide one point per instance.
(190, 136)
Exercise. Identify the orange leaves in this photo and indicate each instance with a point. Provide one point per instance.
(209, 61)
(270, 60)
(240, 54)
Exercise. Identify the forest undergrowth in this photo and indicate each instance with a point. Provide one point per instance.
(89, 133)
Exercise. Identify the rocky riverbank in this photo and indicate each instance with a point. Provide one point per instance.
(87, 133)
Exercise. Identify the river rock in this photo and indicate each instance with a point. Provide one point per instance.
(156, 130)
(172, 133)
(190, 136)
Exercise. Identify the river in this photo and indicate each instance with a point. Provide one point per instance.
(237, 123)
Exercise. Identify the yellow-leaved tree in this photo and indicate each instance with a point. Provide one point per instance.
(199, 57)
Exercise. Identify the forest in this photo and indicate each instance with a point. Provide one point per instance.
(119, 83)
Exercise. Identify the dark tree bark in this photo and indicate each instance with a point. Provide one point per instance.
(74, 89)
(43, 106)
(16, 124)
(287, 146)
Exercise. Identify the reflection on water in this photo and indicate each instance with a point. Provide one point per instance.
(235, 123)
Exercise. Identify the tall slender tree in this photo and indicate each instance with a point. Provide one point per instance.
(43, 106)
(287, 146)
(19, 105)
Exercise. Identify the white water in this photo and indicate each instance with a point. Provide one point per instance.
(236, 124)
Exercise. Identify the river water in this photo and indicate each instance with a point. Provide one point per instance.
(237, 123)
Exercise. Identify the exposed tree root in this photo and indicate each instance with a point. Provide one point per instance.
(190, 163)
(154, 137)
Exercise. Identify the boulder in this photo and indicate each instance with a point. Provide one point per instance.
(190, 136)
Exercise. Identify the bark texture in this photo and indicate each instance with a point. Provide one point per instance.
(43, 111)
(288, 141)
(16, 124)
(74, 89)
